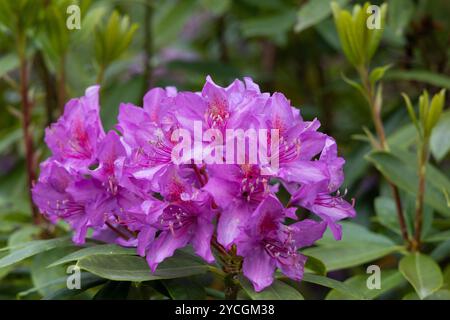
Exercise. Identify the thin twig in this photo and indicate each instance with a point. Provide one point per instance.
(117, 231)
(26, 121)
(62, 84)
(418, 221)
(148, 47)
(49, 86)
(375, 108)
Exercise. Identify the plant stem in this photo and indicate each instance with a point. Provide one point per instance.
(48, 81)
(375, 108)
(101, 74)
(26, 121)
(62, 84)
(232, 262)
(231, 288)
(148, 47)
(418, 221)
(221, 28)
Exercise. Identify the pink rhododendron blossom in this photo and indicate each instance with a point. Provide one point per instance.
(129, 187)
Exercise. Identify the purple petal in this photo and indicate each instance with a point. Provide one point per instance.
(164, 246)
(230, 222)
(307, 231)
(201, 240)
(258, 267)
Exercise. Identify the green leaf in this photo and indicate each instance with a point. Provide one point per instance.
(359, 245)
(133, 268)
(400, 14)
(42, 276)
(442, 251)
(439, 237)
(87, 281)
(313, 12)
(315, 265)
(218, 7)
(273, 25)
(435, 79)
(10, 138)
(435, 111)
(374, 35)
(440, 138)
(422, 273)
(412, 113)
(446, 275)
(277, 291)
(334, 284)
(378, 73)
(400, 169)
(170, 18)
(32, 248)
(387, 213)
(8, 63)
(23, 235)
(113, 290)
(103, 249)
(354, 84)
(390, 279)
(403, 137)
(184, 288)
(438, 295)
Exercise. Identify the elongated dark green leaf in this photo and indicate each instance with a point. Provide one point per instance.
(442, 251)
(435, 79)
(277, 291)
(133, 268)
(170, 19)
(389, 280)
(105, 249)
(422, 273)
(341, 256)
(353, 232)
(386, 213)
(32, 248)
(10, 139)
(316, 266)
(8, 63)
(438, 237)
(403, 137)
(42, 276)
(113, 290)
(440, 138)
(273, 25)
(359, 245)
(438, 295)
(22, 236)
(333, 284)
(400, 14)
(313, 12)
(184, 288)
(87, 281)
(402, 172)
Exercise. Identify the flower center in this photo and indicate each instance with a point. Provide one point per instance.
(175, 217)
(253, 185)
(217, 113)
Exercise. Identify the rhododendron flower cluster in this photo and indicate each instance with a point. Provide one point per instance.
(125, 187)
